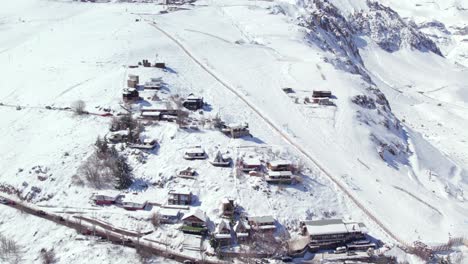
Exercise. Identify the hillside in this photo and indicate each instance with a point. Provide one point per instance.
(390, 151)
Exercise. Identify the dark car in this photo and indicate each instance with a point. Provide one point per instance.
(286, 259)
(40, 212)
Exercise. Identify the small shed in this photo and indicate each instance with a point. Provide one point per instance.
(133, 80)
(160, 65)
(188, 173)
(321, 94)
(193, 102)
(227, 207)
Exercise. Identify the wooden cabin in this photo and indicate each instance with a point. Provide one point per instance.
(169, 216)
(251, 164)
(333, 233)
(193, 102)
(130, 94)
(221, 160)
(117, 136)
(180, 197)
(156, 116)
(146, 144)
(195, 223)
(279, 165)
(321, 94)
(195, 153)
(133, 202)
(262, 223)
(160, 65)
(236, 130)
(105, 198)
(242, 231)
(153, 84)
(223, 233)
(279, 177)
(133, 80)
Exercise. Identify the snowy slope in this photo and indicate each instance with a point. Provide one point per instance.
(53, 53)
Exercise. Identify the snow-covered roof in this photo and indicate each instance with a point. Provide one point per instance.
(333, 226)
(237, 125)
(134, 198)
(261, 219)
(279, 173)
(120, 132)
(222, 236)
(252, 162)
(240, 224)
(276, 163)
(221, 226)
(198, 214)
(155, 113)
(193, 97)
(195, 150)
(182, 191)
(169, 212)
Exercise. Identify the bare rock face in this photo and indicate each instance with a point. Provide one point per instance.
(333, 33)
(385, 26)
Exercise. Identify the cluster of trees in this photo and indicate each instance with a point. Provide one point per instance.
(127, 122)
(107, 167)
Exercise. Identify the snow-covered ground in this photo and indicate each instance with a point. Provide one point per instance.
(53, 53)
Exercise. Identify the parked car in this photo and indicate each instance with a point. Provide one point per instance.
(40, 212)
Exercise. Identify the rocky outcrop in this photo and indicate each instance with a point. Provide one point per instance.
(386, 28)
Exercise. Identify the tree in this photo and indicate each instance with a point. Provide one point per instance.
(102, 148)
(122, 173)
(48, 256)
(156, 219)
(79, 107)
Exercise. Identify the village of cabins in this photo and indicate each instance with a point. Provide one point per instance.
(233, 225)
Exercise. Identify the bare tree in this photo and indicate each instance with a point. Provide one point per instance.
(156, 219)
(9, 250)
(79, 107)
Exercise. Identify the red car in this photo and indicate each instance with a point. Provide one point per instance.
(106, 114)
